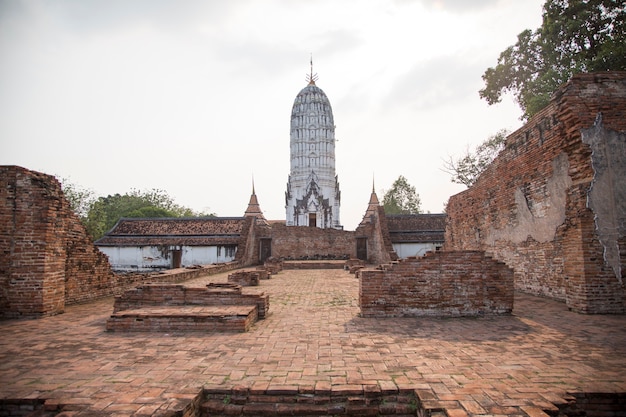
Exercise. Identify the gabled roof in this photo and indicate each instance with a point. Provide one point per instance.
(416, 228)
(197, 231)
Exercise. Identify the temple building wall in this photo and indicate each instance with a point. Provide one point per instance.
(552, 205)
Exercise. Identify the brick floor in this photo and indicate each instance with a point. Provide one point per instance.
(314, 339)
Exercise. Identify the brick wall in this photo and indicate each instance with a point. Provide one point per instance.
(245, 278)
(46, 257)
(47, 260)
(379, 247)
(552, 205)
(301, 242)
(455, 283)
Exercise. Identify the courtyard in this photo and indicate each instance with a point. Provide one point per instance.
(314, 339)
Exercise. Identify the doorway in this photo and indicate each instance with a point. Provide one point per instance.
(361, 248)
(312, 220)
(265, 249)
(177, 258)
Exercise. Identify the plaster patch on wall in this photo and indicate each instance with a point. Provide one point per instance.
(540, 224)
(607, 195)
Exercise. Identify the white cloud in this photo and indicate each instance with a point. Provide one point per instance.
(195, 97)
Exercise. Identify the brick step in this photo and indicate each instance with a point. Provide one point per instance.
(314, 264)
(227, 318)
(217, 408)
(292, 402)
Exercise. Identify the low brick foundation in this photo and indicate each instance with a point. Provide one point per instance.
(185, 318)
(344, 401)
(314, 264)
(354, 265)
(459, 283)
(273, 265)
(168, 307)
(245, 278)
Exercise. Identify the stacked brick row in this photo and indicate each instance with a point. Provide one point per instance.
(158, 307)
(532, 207)
(339, 400)
(213, 294)
(455, 283)
(247, 278)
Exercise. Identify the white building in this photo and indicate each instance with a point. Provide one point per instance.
(138, 244)
(312, 197)
(416, 234)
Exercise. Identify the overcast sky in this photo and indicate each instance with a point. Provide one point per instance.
(194, 97)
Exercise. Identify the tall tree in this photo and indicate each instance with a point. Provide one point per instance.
(100, 214)
(402, 198)
(106, 211)
(575, 36)
(80, 198)
(466, 169)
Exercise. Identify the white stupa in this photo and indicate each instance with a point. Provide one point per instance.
(312, 197)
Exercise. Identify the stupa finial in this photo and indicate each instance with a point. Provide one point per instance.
(311, 77)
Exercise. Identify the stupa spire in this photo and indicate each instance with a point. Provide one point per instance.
(311, 77)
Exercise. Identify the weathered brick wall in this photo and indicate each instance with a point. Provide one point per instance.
(553, 203)
(301, 242)
(455, 283)
(46, 257)
(47, 260)
(379, 247)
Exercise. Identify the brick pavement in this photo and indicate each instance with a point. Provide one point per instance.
(313, 337)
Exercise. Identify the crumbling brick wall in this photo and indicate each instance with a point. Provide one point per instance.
(552, 205)
(47, 259)
(379, 247)
(455, 283)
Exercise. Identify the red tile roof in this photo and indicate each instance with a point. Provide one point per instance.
(416, 228)
(208, 231)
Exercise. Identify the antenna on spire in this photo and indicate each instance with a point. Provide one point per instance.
(311, 78)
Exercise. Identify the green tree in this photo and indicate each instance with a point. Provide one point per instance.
(575, 36)
(80, 198)
(466, 169)
(402, 198)
(106, 211)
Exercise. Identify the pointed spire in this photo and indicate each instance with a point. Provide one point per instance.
(311, 78)
(372, 206)
(254, 209)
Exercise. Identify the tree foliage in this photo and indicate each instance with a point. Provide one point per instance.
(466, 169)
(575, 36)
(402, 198)
(100, 214)
(80, 198)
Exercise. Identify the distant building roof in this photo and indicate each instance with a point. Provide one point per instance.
(197, 231)
(416, 228)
